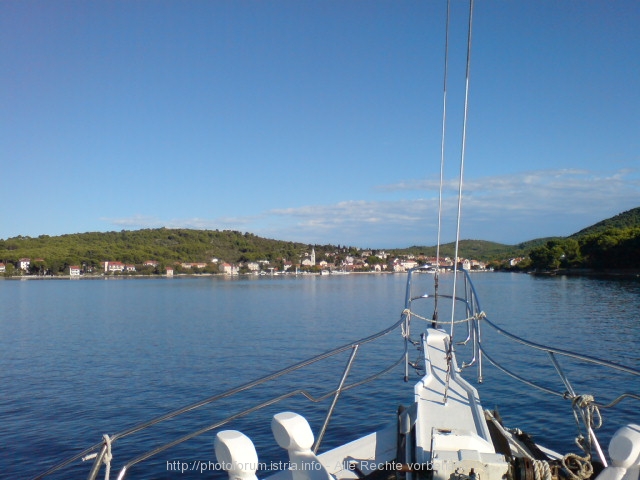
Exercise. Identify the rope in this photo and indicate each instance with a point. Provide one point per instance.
(585, 406)
(478, 316)
(577, 467)
(542, 470)
(448, 376)
(591, 410)
(405, 331)
(107, 456)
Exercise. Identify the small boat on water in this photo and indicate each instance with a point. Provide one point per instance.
(445, 433)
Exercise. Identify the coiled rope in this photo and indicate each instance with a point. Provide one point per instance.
(542, 470)
(587, 403)
(577, 467)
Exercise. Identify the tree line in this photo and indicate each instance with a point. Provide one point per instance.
(611, 244)
(608, 249)
(167, 247)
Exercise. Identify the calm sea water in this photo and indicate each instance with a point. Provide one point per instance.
(83, 358)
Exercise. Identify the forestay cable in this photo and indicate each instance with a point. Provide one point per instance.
(460, 182)
(444, 128)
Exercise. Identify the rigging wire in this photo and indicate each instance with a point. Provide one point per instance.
(444, 124)
(460, 182)
(462, 157)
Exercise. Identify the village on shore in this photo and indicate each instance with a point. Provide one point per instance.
(367, 262)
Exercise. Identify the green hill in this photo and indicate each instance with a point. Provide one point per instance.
(611, 243)
(624, 220)
(478, 249)
(163, 245)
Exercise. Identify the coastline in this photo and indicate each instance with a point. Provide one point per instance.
(582, 272)
(589, 272)
(178, 275)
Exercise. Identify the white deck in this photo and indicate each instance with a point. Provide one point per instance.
(454, 431)
(450, 436)
(366, 452)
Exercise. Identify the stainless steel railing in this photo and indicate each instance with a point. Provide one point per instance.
(100, 450)
(474, 318)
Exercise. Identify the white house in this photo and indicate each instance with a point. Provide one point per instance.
(74, 271)
(23, 263)
(3, 268)
(409, 264)
(113, 266)
(253, 266)
(229, 269)
(514, 261)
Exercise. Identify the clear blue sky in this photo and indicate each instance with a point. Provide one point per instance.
(316, 121)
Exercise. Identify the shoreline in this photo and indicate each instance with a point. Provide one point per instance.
(588, 272)
(179, 275)
(610, 273)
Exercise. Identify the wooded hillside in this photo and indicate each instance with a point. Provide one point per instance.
(162, 245)
(610, 244)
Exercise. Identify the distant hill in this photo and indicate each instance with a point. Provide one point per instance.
(611, 245)
(628, 219)
(475, 249)
(487, 251)
(135, 247)
(185, 245)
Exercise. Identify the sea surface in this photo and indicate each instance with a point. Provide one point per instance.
(81, 358)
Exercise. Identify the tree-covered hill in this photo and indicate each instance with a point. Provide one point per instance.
(624, 220)
(477, 249)
(613, 243)
(163, 245)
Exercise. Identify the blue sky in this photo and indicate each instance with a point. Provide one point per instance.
(317, 121)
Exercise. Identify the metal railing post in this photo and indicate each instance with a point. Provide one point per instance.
(406, 345)
(335, 398)
(95, 468)
(592, 434)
